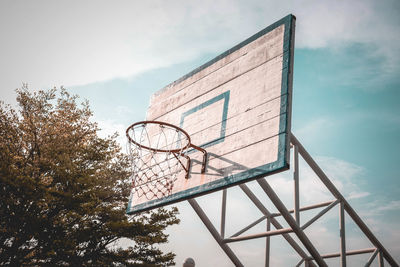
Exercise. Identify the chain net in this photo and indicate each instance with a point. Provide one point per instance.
(154, 172)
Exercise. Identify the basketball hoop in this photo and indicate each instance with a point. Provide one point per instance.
(158, 151)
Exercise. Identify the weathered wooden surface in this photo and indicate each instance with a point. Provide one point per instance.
(248, 136)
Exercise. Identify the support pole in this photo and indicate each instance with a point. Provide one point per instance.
(249, 226)
(214, 232)
(259, 235)
(371, 259)
(296, 185)
(349, 253)
(342, 235)
(267, 244)
(380, 259)
(300, 263)
(350, 211)
(223, 213)
(316, 217)
(310, 207)
(292, 223)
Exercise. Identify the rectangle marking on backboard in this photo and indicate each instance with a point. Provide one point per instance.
(224, 97)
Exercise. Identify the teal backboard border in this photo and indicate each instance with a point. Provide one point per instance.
(282, 162)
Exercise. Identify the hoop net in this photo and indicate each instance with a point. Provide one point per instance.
(156, 151)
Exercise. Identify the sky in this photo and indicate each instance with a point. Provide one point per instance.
(345, 96)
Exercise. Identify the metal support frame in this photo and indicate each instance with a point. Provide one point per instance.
(311, 256)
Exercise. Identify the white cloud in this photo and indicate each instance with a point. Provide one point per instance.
(339, 23)
(355, 195)
(109, 128)
(123, 110)
(378, 206)
(315, 126)
(392, 205)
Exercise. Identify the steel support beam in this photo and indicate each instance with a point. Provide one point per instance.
(254, 236)
(342, 235)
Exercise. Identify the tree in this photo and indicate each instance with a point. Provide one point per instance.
(63, 190)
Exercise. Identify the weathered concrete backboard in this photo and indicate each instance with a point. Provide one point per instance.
(237, 107)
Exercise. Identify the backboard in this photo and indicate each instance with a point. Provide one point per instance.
(238, 108)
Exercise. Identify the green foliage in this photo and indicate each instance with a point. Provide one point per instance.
(63, 191)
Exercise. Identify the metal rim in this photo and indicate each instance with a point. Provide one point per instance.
(160, 123)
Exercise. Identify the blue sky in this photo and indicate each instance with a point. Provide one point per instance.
(345, 92)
